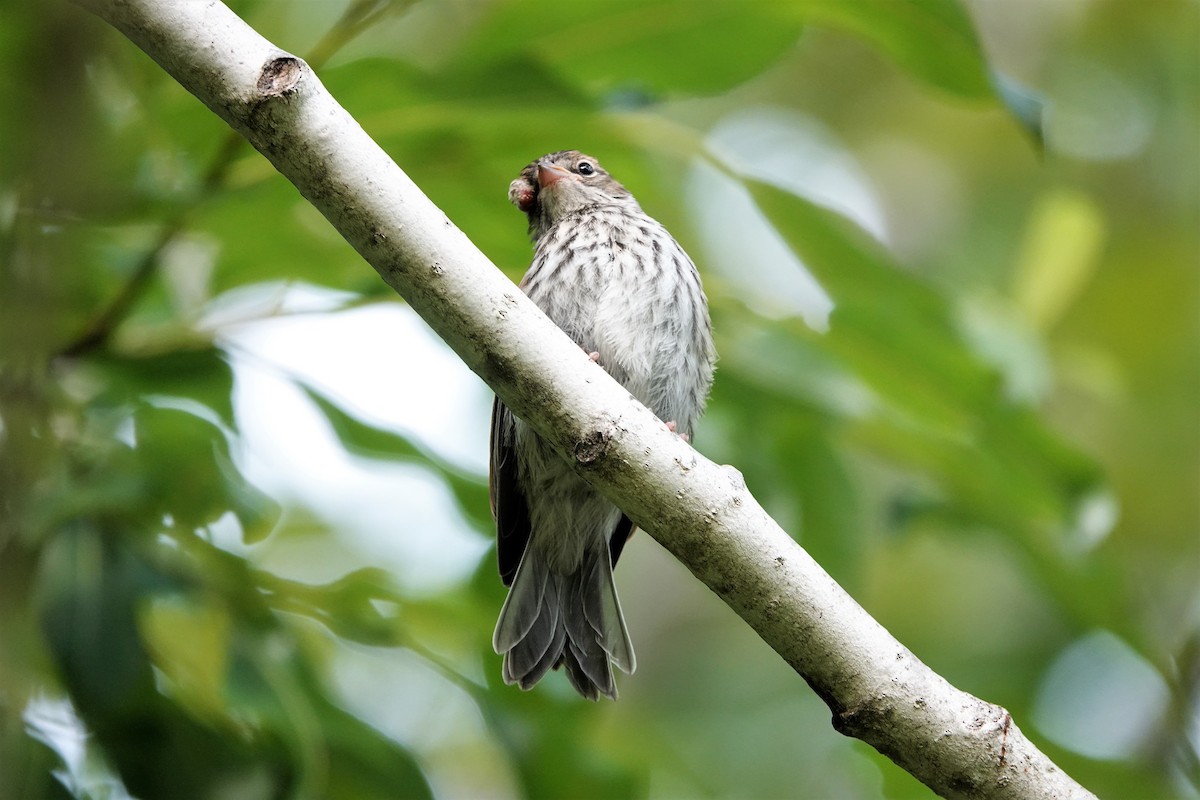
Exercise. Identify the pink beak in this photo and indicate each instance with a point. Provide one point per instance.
(550, 174)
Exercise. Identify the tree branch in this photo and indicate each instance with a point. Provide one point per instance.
(958, 745)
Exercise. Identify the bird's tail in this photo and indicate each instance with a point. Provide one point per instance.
(571, 620)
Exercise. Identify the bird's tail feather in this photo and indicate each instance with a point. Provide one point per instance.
(574, 620)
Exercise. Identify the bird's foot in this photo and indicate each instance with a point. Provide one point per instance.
(672, 425)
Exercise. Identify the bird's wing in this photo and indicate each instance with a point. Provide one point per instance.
(621, 534)
(509, 508)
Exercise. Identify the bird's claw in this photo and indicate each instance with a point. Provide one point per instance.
(672, 425)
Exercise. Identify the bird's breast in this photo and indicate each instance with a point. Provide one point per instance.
(621, 286)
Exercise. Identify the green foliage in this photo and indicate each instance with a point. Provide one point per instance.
(644, 47)
(944, 414)
(993, 445)
(932, 38)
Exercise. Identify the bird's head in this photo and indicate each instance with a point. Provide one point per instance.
(561, 183)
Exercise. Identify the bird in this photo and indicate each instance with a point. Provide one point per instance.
(622, 288)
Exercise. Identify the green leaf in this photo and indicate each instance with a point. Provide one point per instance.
(546, 730)
(199, 373)
(365, 764)
(1060, 256)
(1027, 105)
(301, 246)
(655, 47)
(87, 585)
(349, 607)
(463, 134)
(945, 412)
(933, 39)
(781, 397)
(189, 642)
(370, 441)
(257, 512)
(188, 473)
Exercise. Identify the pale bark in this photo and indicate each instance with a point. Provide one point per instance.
(701, 512)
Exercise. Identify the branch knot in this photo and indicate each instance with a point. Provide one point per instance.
(279, 76)
(592, 447)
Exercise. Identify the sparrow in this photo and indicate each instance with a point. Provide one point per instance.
(618, 283)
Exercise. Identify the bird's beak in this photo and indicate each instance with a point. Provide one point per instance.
(550, 174)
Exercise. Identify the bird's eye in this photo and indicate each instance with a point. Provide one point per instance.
(585, 168)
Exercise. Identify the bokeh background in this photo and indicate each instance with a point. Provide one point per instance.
(952, 255)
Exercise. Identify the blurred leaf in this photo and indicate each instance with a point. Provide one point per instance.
(89, 589)
(1099, 698)
(349, 607)
(995, 457)
(1061, 252)
(553, 727)
(787, 397)
(369, 441)
(87, 585)
(1026, 105)
(419, 98)
(602, 46)
(302, 245)
(363, 764)
(464, 133)
(189, 474)
(256, 511)
(200, 373)
(238, 685)
(933, 39)
(189, 642)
